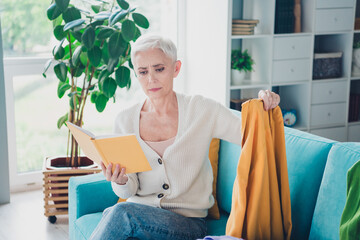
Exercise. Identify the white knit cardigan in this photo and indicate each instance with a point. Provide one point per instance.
(185, 168)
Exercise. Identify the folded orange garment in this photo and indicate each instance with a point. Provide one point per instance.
(261, 206)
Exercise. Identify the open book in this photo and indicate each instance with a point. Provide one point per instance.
(124, 150)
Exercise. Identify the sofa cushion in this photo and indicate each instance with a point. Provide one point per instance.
(217, 227)
(86, 224)
(229, 155)
(306, 158)
(228, 159)
(332, 194)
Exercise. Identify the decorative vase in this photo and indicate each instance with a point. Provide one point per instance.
(237, 77)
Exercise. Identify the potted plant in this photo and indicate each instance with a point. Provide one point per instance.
(241, 63)
(356, 59)
(91, 60)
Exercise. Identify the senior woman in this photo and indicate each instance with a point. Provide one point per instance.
(174, 130)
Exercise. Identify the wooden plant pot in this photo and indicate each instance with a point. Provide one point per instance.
(55, 187)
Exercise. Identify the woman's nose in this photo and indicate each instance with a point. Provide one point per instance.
(151, 76)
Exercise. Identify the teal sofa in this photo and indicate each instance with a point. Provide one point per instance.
(317, 170)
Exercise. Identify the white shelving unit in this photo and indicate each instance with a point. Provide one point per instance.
(283, 62)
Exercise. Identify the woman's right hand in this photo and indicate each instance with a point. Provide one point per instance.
(117, 176)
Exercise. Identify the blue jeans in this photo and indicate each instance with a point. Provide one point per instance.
(136, 221)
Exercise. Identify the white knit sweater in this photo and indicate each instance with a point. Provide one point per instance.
(185, 166)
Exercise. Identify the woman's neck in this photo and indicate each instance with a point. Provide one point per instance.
(162, 105)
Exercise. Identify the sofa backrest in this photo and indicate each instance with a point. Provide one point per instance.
(332, 194)
(306, 159)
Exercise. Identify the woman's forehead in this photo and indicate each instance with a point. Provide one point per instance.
(151, 57)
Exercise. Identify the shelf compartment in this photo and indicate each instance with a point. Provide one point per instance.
(292, 47)
(263, 10)
(329, 92)
(295, 97)
(291, 70)
(334, 20)
(328, 114)
(260, 51)
(336, 43)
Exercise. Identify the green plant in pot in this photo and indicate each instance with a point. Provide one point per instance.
(91, 61)
(241, 63)
(91, 58)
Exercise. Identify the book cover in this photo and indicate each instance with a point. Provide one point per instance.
(124, 150)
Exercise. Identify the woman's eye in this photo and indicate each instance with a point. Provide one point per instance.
(143, 72)
(160, 69)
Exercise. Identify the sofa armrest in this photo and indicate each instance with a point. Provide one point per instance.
(89, 194)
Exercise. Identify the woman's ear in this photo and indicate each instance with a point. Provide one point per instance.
(177, 68)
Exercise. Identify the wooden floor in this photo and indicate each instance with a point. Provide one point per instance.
(24, 218)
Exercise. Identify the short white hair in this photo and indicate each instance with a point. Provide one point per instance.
(149, 41)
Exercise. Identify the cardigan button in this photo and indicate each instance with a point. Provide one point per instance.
(160, 161)
(165, 186)
(160, 195)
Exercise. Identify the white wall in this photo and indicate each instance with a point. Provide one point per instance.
(206, 62)
(4, 160)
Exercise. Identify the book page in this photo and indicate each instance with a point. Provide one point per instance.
(125, 151)
(83, 138)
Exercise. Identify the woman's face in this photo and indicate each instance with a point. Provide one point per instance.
(156, 72)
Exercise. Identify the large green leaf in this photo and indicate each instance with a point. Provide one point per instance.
(122, 76)
(59, 32)
(101, 102)
(76, 35)
(71, 14)
(84, 58)
(88, 37)
(117, 45)
(103, 75)
(137, 34)
(78, 70)
(140, 20)
(105, 32)
(60, 70)
(102, 16)
(94, 55)
(118, 17)
(96, 8)
(123, 4)
(128, 30)
(53, 11)
(76, 56)
(62, 4)
(46, 67)
(105, 53)
(62, 88)
(59, 52)
(109, 87)
(61, 121)
(112, 64)
(93, 96)
(73, 24)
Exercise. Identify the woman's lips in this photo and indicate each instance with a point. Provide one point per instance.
(154, 89)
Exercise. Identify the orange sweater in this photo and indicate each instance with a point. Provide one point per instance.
(261, 206)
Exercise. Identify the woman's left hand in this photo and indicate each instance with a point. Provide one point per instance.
(270, 99)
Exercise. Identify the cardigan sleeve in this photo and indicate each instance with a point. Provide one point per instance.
(127, 190)
(227, 125)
